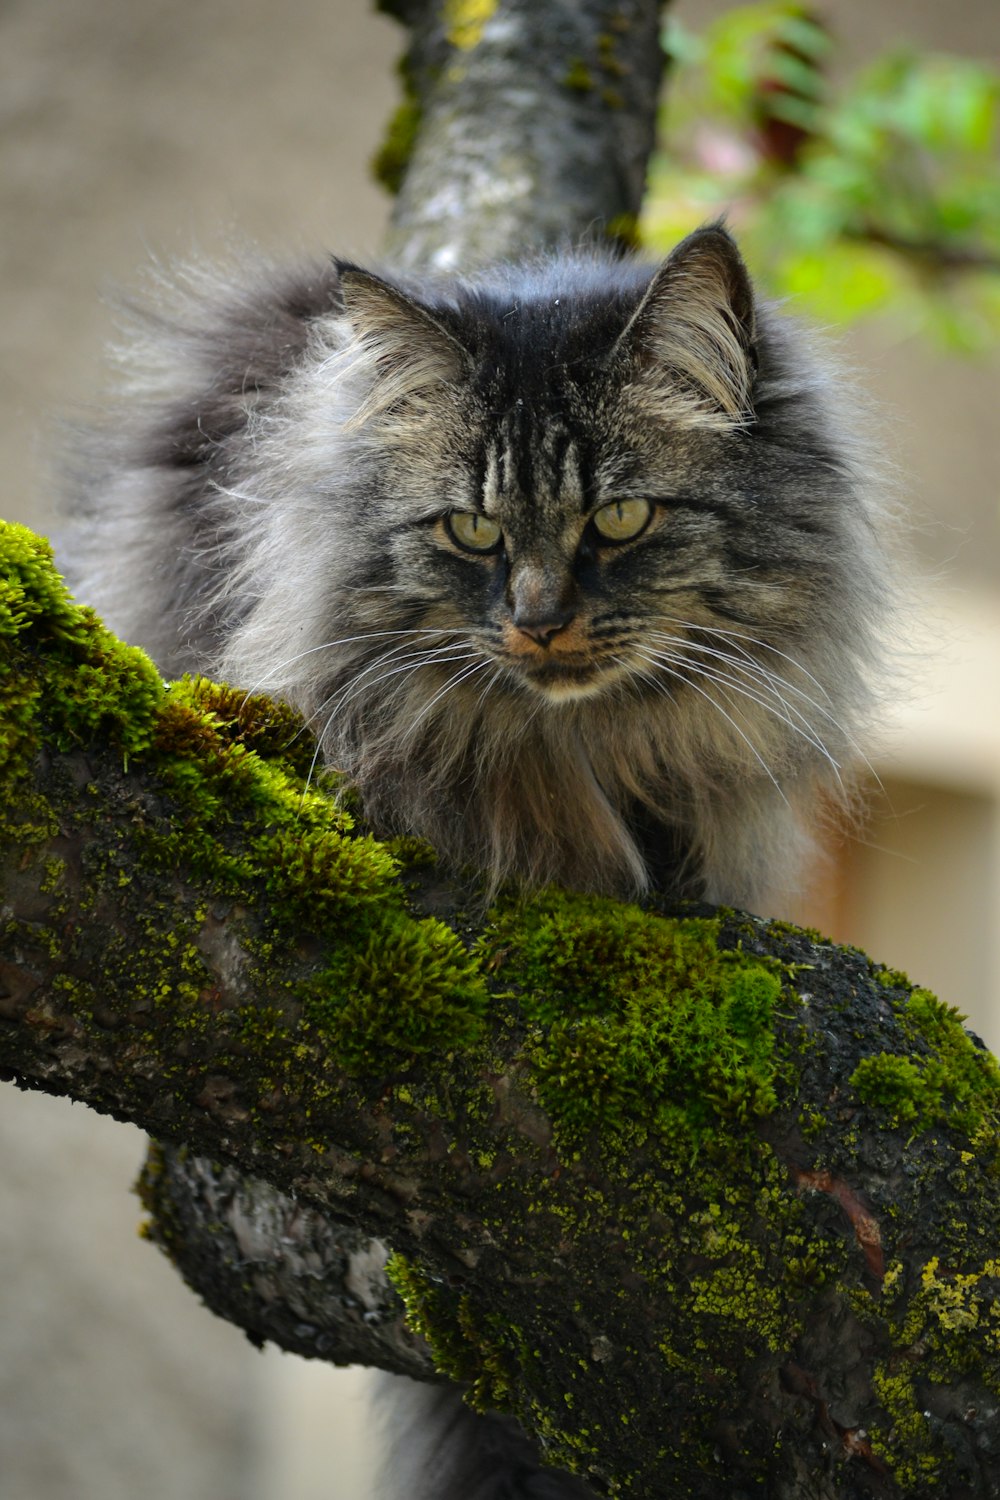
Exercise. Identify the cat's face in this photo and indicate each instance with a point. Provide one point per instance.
(564, 564)
(564, 573)
(577, 486)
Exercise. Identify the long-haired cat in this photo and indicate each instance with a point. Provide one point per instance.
(574, 566)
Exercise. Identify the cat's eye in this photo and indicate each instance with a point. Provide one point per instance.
(472, 532)
(622, 520)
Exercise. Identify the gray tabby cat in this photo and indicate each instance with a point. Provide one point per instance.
(574, 567)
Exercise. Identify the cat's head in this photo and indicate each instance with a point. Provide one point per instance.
(580, 465)
(575, 493)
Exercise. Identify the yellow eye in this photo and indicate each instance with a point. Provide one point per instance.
(622, 520)
(472, 532)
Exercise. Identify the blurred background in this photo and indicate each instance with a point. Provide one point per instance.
(132, 130)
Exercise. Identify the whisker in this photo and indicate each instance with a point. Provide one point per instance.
(761, 671)
(405, 665)
(344, 640)
(804, 729)
(490, 685)
(746, 662)
(453, 682)
(438, 655)
(663, 666)
(741, 635)
(762, 678)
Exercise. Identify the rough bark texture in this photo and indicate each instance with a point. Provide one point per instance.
(277, 1267)
(708, 1204)
(525, 125)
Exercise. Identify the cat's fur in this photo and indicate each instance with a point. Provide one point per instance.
(277, 503)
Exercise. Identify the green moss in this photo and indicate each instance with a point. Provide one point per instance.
(392, 159)
(648, 1025)
(741, 1294)
(409, 990)
(893, 979)
(465, 1349)
(92, 684)
(579, 77)
(238, 721)
(410, 852)
(54, 878)
(812, 1123)
(935, 1308)
(909, 1431)
(943, 1327)
(945, 1080)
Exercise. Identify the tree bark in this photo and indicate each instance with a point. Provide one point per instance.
(277, 1267)
(532, 125)
(708, 1204)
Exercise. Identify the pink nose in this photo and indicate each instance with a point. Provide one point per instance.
(541, 631)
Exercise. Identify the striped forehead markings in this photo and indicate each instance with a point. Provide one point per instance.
(521, 460)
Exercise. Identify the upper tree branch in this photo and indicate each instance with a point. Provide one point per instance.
(569, 92)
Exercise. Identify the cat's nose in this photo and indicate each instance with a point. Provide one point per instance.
(540, 601)
(542, 630)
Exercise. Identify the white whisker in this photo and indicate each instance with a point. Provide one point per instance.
(745, 662)
(762, 677)
(405, 665)
(344, 640)
(773, 681)
(453, 682)
(739, 635)
(723, 681)
(663, 666)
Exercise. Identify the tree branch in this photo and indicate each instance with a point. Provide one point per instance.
(570, 94)
(698, 1170)
(276, 1266)
(933, 255)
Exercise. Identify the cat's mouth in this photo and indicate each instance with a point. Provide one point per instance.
(560, 680)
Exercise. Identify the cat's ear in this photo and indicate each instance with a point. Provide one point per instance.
(692, 335)
(412, 350)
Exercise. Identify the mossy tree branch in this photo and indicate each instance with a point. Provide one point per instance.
(708, 1174)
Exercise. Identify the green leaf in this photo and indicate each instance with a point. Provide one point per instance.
(840, 283)
(892, 204)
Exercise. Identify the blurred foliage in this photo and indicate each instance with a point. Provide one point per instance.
(876, 193)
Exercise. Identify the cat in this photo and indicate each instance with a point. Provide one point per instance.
(575, 566)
